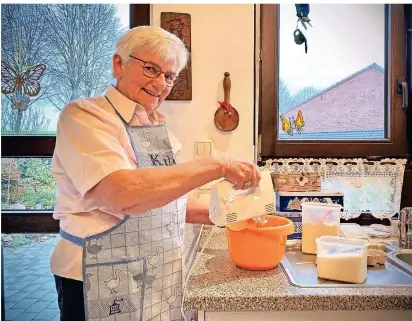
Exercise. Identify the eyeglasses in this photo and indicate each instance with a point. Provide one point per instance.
(152, 71)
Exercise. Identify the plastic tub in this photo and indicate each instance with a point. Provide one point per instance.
(258, 248)
(342, 259)
(318, 220)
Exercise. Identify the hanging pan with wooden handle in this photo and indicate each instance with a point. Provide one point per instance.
(226, 116)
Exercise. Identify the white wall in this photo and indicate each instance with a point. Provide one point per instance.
(222, 40)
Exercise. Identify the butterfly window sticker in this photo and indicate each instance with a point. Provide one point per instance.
(21, 86)
(291, 125)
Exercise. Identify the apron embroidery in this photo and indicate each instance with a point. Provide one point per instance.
(134, 271)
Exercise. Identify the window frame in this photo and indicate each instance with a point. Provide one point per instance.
(271, 147)
(42, 146)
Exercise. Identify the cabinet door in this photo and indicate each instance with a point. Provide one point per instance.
(309, 316)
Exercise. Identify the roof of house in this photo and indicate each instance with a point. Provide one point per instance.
(374, 65)
(335, 135)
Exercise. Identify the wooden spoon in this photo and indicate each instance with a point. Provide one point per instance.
(226, 116)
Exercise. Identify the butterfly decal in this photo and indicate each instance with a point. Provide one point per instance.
(26, 81)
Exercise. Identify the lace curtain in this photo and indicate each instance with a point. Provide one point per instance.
(369, 186)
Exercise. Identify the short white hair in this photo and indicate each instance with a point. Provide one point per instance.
(164, 44)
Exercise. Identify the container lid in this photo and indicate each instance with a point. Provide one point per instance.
(319, 193)
(339, 240)
(352, 230)
(336, 245)
(313, 204)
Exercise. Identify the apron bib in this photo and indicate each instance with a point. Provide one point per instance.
(134, 271)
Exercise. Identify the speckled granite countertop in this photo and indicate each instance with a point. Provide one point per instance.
(215, 284)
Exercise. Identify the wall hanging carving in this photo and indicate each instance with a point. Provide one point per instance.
(180, 25)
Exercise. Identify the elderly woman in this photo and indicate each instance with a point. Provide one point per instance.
(122, 200)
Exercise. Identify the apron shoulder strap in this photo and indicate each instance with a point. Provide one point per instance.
(117, 113)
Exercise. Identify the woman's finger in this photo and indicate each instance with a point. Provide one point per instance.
(254, 181)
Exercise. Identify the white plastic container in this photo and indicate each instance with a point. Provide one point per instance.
(342, 259)
(318, 220)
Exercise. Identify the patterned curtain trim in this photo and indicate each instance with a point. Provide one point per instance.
(353, 176)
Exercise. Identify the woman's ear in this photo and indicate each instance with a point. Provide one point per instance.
(117, 66)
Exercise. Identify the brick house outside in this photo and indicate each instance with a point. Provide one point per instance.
(353, 108)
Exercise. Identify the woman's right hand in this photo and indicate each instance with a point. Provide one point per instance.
(242, 173)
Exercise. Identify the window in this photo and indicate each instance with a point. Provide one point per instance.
(27, 184)
(340, 99)
(372, 95)
(34, 37)
(363, 101)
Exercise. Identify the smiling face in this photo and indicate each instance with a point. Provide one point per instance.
(133, 83)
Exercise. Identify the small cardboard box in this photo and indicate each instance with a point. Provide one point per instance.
(296, 218)
(289, 205)
(296, 182)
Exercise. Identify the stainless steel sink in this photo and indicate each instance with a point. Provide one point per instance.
(402, 259)
(405, 257)
(301, 269)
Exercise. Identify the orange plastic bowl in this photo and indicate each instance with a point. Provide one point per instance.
(258, 249)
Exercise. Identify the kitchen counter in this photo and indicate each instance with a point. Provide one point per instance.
(215, 284)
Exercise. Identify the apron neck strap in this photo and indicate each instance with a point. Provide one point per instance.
(118, 114)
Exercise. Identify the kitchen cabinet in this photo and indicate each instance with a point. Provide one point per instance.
(372, 315)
